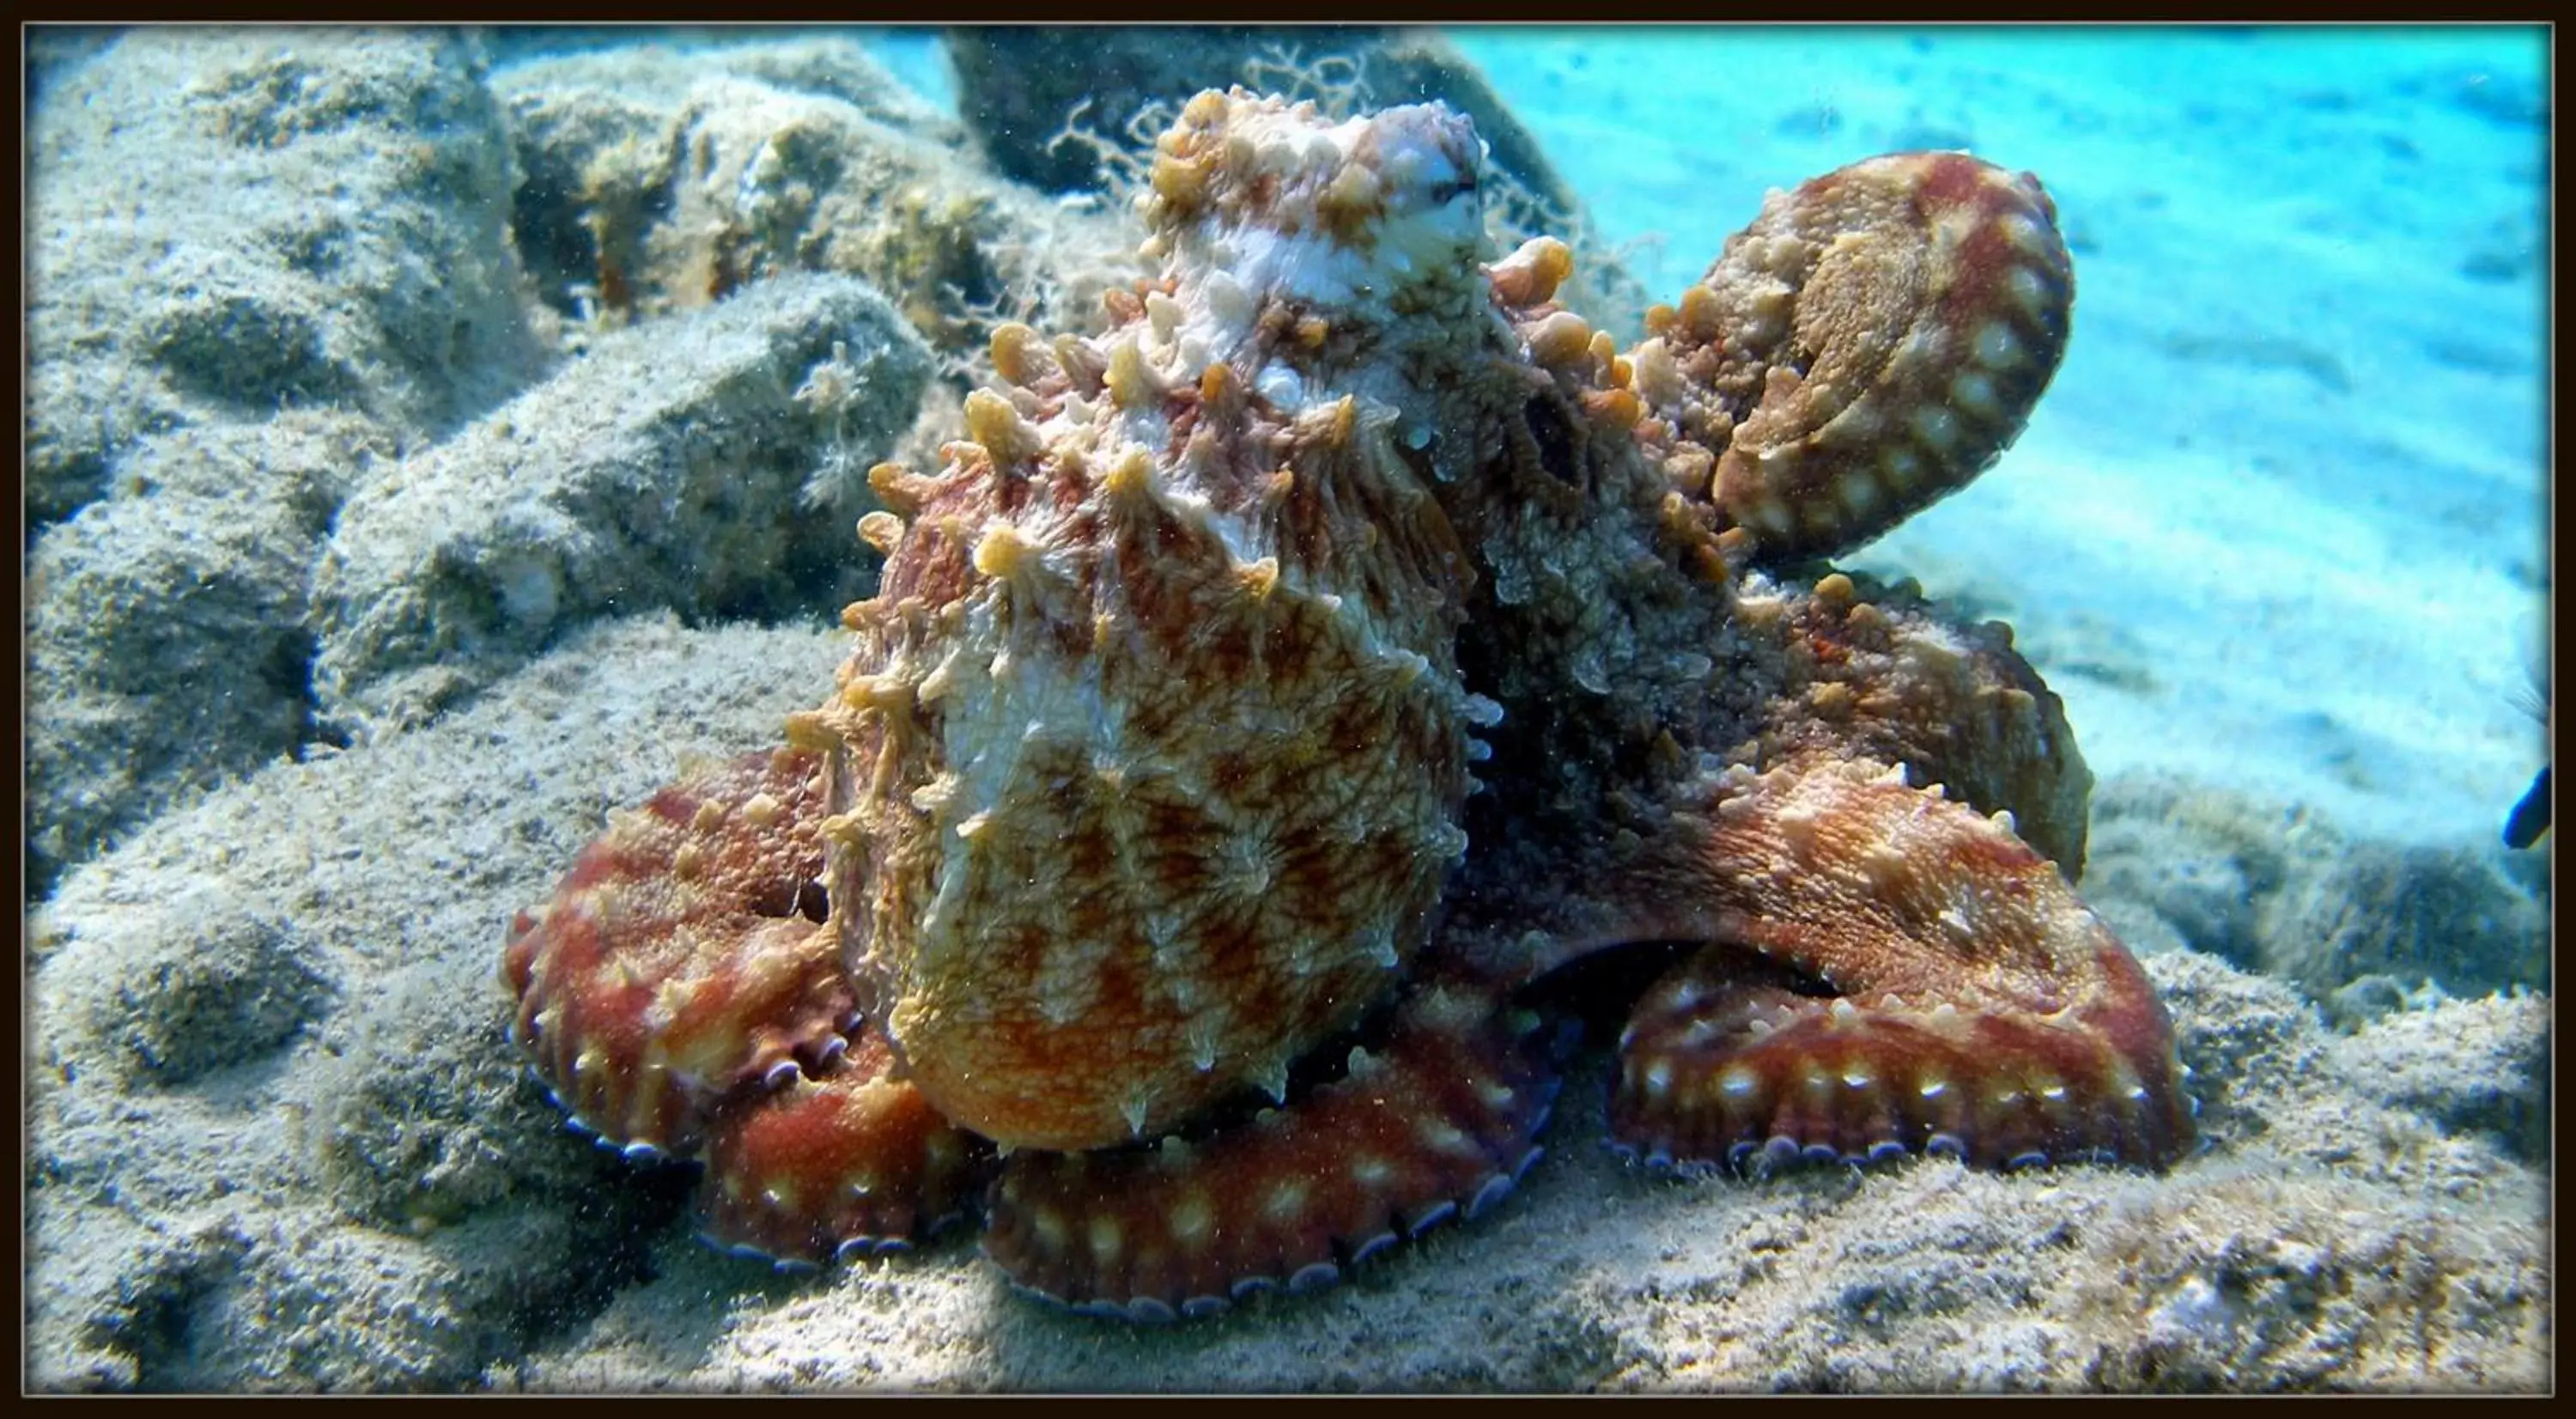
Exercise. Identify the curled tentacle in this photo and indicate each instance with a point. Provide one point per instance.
(844, 1163)
(1437, 1123)
(1865, 348)
(1874, 672)
(682, 959)
(1893, 971)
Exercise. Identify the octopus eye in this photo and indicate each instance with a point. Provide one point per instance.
(1554, 437)
(804, 897)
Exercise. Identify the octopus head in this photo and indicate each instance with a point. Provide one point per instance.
(1147, 767)
(1367, 225)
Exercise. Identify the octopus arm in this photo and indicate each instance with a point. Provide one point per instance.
(1889, 972)
(1437, 1123)
(683, 958)
(1866, 347)
(851, 1162)
(1874, 671)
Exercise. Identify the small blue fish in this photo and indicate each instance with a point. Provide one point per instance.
(2530, 817)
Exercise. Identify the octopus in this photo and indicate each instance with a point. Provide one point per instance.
(1273, 693)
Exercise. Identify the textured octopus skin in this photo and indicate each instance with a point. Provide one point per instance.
(1269, 692)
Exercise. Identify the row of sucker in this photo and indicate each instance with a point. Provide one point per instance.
(1774, 1077)
(1889, 970)
(848, 1163)
(1436, 1124)
(682, 962)
(1865, 348)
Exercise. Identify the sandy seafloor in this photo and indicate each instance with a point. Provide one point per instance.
(2281, 527)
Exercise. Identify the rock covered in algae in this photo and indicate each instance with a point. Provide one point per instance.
(256, 260)
(660, 180)
(221, 223)
(707, 464)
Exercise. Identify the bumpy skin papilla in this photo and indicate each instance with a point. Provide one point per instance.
(1895, 972)
(1145, 771)
(682, 959)
(1142, 808)
(1865, 348)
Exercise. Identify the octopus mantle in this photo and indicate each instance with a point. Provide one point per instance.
(1273, 688)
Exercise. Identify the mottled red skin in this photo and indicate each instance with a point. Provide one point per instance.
(841, 1161)
(791, 1100)
(1884, 968)
(1481, 1073)
(1851, 1025)
(587, 969)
